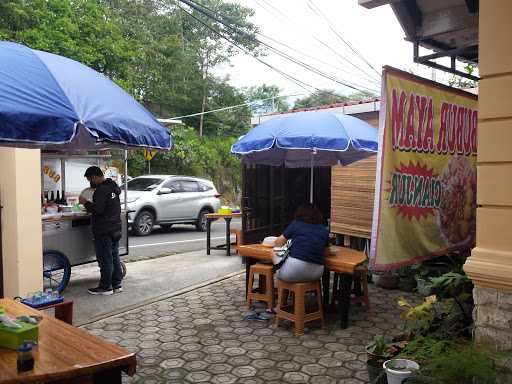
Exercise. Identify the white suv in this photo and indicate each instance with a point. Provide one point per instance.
(168, 200)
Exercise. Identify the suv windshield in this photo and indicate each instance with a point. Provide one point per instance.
(143, 184)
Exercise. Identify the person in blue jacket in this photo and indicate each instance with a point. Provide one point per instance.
(305, 261)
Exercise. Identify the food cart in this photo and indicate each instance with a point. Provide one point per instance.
(67, 236)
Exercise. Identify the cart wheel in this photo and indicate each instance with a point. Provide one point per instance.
(56, 270)
(123, 269)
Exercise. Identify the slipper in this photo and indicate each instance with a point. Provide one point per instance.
(254, 317)
(267, 315)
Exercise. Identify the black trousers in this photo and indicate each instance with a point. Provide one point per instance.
(107, 254)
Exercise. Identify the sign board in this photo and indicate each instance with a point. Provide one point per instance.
(149, 154)
(425, 194)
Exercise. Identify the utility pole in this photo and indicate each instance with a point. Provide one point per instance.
(203, 105)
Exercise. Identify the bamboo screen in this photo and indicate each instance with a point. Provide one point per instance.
(352, 193)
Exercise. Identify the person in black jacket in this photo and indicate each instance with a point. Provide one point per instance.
(105, 208)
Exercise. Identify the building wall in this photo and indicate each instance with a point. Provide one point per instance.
(20, 191)
(490, 265)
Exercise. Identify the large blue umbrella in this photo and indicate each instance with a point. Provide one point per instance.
(50, 101)
(308, 139)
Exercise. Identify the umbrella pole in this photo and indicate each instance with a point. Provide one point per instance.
(311, 180)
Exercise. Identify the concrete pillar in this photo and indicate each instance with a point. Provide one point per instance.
(490, 264)
(20, 196)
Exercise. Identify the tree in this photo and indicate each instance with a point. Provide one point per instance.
(81, 29)
(463, 83)
(227, 21)
(270, 99)
(362, 95)
(321, 97)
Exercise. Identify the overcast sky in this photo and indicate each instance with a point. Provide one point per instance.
(375, 34)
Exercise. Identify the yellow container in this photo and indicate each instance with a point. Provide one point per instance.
(225, 211)
(12, 338)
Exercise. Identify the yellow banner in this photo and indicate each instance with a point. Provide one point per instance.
(425, 198)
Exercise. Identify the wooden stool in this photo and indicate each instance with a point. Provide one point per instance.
(359, 294)
(361, 287)
(266, 285)
(238, 238)
(299, 315)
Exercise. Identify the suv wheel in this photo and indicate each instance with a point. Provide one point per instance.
(201, 220)
(143, 224)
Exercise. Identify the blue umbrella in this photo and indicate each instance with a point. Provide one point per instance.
(308, 139)
(51, 101)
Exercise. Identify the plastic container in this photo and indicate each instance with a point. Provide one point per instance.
(397, 370)
(13, 338)
(25, 359)
(225, 210)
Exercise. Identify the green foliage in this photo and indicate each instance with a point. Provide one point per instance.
(152, 48)
(451, 284)
(207, 157)
(461, 82)
(80, 29)
(418, 318)
(380, 349)
(262, 92)
(327, 96)
(424, 348)
(462, 365)
(321, 97)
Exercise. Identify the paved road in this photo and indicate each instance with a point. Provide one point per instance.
(178, 239)
(158, 265)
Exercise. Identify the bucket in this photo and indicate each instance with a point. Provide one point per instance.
(397, 370)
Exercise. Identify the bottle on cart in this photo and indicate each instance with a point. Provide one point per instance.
(52, 197)
(63, 198)
(57, 200)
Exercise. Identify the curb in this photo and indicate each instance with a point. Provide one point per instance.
(164, 296)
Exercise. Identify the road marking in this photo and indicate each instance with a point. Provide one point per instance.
(175, 242)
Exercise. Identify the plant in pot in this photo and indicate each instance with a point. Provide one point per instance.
(378, 352)
(422, 277)
(398, 370)
(386, 280)
(406, 279)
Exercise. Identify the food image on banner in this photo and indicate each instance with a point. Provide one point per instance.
(425, 193)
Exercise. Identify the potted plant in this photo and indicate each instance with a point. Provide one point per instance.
(406, 279)
(386, 280)
(378, 352)
(397, 370)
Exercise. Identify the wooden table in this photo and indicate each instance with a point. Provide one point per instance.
(65, 354)
(227, 218)
(63, 310)
(337, 259)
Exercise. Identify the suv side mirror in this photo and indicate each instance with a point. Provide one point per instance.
(165, 191)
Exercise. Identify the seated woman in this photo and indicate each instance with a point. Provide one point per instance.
(309, 239)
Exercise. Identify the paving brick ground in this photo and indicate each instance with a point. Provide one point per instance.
(202, 337)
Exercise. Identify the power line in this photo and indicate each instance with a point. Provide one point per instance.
(298, 82)
(235, 106)
(319, 12)
(344, 59)
(317, 59)
(211, 14)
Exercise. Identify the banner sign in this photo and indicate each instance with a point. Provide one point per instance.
(149, 154)
(425, 193)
